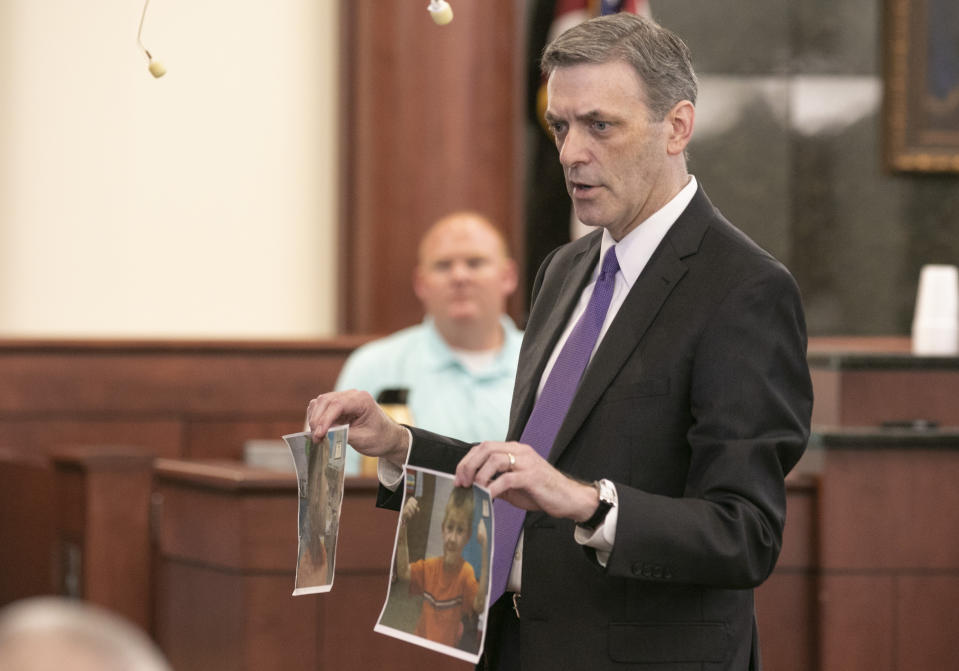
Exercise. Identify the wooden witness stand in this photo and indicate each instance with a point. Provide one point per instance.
(226, 552)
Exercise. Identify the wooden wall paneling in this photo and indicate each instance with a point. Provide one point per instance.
(102, 497)
(198, 626)
(890, 509)
(211, 619)
(27, 524)
(786, 603)
(857, 623)
(166, 376)
(227, 515)
(827, 404)
(273, 614)
(866, 381)
(211, 438)
(226, 555)
(169, 397)
(871, 397)
(926, 607)
(842, 345)
(432, 122)
(889, 555)
(161, 437)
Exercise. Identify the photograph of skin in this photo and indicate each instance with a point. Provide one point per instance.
(320, 479)
(439, 587)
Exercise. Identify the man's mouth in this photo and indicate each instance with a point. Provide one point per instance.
(582, 188)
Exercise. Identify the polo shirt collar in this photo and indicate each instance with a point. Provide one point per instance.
(438, 355)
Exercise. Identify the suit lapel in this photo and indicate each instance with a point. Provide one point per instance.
(646, 297)
(634, 317)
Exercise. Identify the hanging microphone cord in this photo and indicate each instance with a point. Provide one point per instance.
(156, 67)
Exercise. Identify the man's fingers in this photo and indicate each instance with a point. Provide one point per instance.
(468, 465)
(494, 467)
(319, 419)
(484, 462)
(334, 408)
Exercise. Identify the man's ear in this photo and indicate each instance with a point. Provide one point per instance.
(680, 119)
(510, 277)
(418, 282)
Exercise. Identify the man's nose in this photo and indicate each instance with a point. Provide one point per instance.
(460, 271)
(573, 149)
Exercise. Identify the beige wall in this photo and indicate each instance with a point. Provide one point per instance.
(202, 204)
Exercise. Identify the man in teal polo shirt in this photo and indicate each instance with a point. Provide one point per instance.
(458, 365)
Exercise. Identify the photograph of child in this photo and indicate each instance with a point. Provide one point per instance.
(440, 582)
(320, 479)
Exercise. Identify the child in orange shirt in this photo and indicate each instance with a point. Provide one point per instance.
(448, 583)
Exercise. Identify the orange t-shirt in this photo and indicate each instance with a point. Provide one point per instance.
(448, 595)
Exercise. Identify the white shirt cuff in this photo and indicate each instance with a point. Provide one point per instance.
(602, 537)
(389, 474)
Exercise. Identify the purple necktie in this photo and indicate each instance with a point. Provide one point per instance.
(550, 411)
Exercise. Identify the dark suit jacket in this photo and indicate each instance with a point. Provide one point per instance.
(696, 404)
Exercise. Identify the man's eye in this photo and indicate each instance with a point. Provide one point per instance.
(600, 125)
(557, 128)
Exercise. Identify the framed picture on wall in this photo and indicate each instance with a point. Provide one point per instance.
(921, 115)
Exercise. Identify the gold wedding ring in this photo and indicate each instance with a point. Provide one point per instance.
(512, 461)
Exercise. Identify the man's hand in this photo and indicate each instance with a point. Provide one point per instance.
(527, 480)
(372, 432)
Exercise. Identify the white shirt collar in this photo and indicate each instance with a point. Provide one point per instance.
(635, 249)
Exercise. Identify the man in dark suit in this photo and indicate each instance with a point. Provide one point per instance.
(658, 501)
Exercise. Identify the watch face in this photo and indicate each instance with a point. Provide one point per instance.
(607, 492)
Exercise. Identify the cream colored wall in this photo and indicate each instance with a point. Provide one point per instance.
(201, 204)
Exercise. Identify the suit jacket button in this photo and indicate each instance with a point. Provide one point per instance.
(636, 568)
(657, 571)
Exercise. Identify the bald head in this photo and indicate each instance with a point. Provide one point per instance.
(464, 277)
(463, 223)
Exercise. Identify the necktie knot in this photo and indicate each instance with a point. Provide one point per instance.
(610, 263)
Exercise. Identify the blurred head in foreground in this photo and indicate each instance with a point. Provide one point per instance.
(56, 633)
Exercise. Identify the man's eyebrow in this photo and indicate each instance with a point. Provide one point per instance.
(600, 115)
(591, 115)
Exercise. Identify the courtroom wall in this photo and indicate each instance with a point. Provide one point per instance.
(202, 204)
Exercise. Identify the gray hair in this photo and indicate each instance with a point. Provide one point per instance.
(658, 55)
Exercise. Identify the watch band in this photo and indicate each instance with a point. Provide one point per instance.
(607, 499)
